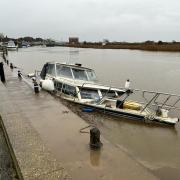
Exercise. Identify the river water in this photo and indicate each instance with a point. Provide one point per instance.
(156, 148)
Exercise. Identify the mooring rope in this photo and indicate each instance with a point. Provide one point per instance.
(81, 130)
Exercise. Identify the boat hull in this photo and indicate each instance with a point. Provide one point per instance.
(125, 115)
(12, 48)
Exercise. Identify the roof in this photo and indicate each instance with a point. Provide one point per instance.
(70, 65)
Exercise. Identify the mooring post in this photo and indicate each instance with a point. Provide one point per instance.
(2, 72)
(11, 66)
(19, 74)
(95, 142)
(36, 86)
(6, 51)
(4, 57)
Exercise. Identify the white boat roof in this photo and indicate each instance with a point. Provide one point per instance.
(76, 65)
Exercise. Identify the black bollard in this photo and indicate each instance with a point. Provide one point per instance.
(7, 62)
(19, 74)
(95, 142)
(2, 72)
(6, 51)
(4, 57)
(36, 87)
(11, 66)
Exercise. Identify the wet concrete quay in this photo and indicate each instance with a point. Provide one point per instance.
(46, 142)
(7, 170)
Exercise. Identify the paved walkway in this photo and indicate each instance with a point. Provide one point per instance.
(45, 139)
(32, 159)
(7, 171)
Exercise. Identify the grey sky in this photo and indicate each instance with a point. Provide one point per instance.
(121, 20)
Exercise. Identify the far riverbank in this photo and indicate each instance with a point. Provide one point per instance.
(159, 46)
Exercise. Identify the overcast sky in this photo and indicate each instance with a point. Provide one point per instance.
(92, 20)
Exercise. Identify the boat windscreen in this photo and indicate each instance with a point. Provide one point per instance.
(63, 71)
(91, 75)
(89, 94)
(80, 74)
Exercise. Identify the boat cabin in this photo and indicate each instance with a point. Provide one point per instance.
(68, 71)
(77, 82)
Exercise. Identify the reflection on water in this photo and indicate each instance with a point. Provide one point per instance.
(168, 173)
(156, 147)
(95, 156)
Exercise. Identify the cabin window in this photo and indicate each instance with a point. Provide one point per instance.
(69, 90)
(58, 86)
(51, 69)
(91, 75)
(89, 94)
(80, 74)
(108, 93)
(63, 71)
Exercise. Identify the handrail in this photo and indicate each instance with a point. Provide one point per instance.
(156, 92)
(153, 98)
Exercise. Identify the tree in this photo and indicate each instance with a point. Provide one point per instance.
(39, 39)
(160, 42)
(28, 39)
(1, 36)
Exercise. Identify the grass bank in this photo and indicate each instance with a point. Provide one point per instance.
(172, 47)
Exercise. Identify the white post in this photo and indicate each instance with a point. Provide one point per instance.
(127, 84)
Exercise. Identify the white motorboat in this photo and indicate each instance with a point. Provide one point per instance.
(25, 44)
(11, 46)
(79, 85)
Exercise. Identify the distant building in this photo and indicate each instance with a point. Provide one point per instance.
(73, 40)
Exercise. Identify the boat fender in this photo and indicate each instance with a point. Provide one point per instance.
(48, 85)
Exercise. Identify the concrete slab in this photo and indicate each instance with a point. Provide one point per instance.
(45, 138)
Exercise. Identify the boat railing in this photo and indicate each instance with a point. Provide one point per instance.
(159, 99)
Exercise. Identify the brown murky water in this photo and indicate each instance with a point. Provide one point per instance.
(155, 147)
